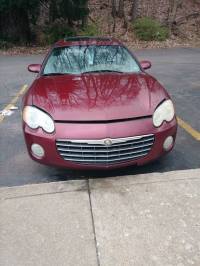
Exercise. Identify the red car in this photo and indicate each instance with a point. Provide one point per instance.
(92, 105)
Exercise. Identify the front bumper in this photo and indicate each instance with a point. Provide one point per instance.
(99, 131)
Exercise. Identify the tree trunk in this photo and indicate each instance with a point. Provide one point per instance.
(84, 21)
(174, 4)
(121, 9)
(114, 9)
(24, 26)
(53, 11)
(1, 26)
(134, 10)
(114, 14)
(85, 18)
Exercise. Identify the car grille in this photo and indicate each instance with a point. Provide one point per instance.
(106, 151)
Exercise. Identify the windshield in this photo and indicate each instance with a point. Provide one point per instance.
(90, 58)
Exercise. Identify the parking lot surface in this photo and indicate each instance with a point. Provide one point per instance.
(135, 216)
(177, 69)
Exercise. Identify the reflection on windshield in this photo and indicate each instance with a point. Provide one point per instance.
(90, 58)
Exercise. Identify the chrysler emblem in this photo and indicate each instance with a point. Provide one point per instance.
(108, 142)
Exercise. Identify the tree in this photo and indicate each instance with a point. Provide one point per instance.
(134, 10)
(118, 11)
(121, 9)
(114, 14)
(53, 11)
(16, 18)
(72, 10)
(174, 5)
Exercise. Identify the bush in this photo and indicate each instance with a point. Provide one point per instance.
(147, 29)
(90, 30)
(57, 30)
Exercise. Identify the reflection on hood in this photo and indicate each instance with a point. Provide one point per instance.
(96, 95)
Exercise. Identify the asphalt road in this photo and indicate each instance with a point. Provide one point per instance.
(178, 69)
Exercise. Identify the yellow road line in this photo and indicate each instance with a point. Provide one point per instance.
(14, 100)
(194, 133)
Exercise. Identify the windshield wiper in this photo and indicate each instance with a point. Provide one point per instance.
(104, 70)
(54, 74)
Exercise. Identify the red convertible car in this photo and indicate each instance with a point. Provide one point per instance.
(92, 105)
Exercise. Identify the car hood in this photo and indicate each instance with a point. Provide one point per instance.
(94, 97)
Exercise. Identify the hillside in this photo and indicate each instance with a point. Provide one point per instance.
(185, 23)
(114, 18)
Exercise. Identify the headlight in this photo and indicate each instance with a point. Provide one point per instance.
(35, 118)
(164, 112)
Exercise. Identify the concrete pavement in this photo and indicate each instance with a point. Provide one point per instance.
(47, 224)
(145, 219)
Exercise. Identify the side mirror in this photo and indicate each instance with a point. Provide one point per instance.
(35, 68)
(145, 64)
